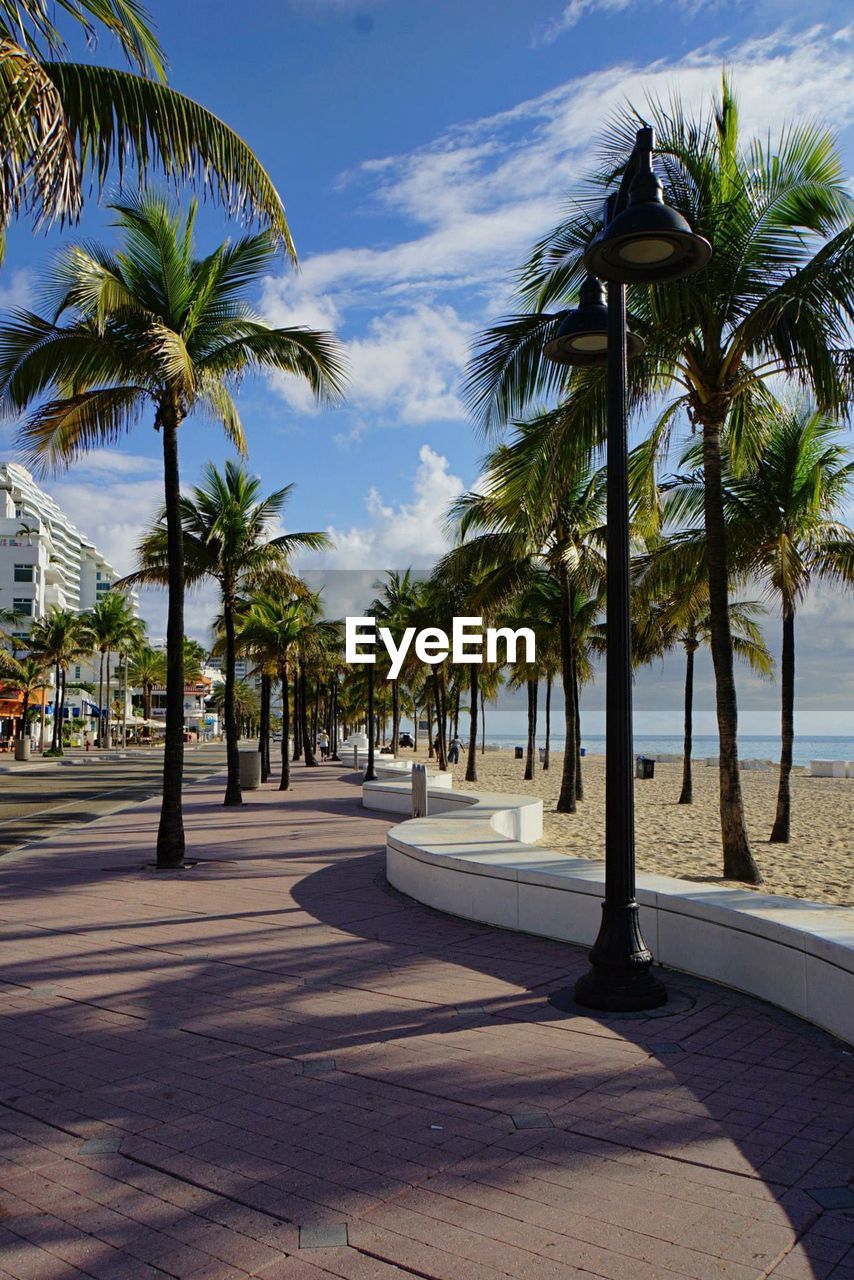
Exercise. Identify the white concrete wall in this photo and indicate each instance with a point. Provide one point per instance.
(474, 857)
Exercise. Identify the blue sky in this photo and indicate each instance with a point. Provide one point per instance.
(421, 146)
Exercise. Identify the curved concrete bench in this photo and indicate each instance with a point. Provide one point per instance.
(474, 857)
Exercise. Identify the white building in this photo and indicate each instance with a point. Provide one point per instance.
(44, 561)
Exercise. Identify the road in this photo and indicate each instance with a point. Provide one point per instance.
(40, 798)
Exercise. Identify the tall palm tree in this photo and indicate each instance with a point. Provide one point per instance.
(671, 610)
(64, 123)
(398, 599)
(226, 525)
(152, 328)
(112, 625)
(777, 298)
(26, 675)
(146, 668)
(57, 640)
(520, 523)
(784, 526)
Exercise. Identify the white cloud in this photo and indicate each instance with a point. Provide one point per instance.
(18, 291)
(482, 192)
(399, 532)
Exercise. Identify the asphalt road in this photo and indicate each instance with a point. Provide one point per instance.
(41, 798)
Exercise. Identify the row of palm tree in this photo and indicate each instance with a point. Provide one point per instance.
(776, 302)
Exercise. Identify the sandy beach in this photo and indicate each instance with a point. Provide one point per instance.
(684, 840)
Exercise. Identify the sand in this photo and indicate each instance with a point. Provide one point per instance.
(684, 840)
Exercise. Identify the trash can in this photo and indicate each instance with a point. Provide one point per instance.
(250, 770)
(644, 767)
(22, 749)
(519, 753)
(582, 751)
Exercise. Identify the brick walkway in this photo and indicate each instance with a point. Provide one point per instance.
(275, 1066)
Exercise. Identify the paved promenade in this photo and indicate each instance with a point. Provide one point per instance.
(273, 1065)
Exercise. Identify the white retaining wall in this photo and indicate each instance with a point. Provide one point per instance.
(473, 856)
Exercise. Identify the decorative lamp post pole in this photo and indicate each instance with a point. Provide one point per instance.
(642, 241)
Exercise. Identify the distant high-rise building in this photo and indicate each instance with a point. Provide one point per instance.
(44, 559)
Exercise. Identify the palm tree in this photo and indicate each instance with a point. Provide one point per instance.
(112, 625)
(784, 526)
(777, 298)
(399, 596)
(64, 123)
(151, 328)
(672, 604)
(225, 524)
(57, 640)
(245, 704)
(274, 627)
(26, 675)
(519, 524)
(146, 668)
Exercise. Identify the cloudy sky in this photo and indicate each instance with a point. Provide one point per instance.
(421, 147)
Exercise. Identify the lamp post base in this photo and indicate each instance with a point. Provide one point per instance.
(619, 979)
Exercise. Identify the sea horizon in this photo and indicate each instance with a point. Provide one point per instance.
(751, 746)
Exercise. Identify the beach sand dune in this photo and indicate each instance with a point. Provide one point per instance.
(684, 840)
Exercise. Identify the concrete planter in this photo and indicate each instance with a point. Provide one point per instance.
(22, 749)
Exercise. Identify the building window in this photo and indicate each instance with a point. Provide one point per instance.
(76, 673)
(23, 573)
(98, 577)
(23, 607)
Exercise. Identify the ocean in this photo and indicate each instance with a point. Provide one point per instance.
(750, 747)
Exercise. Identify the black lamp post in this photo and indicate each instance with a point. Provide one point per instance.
(642, 241)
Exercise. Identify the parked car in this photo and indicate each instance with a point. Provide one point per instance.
(405, 740)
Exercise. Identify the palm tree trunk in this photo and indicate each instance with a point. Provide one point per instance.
(687, 794)
(482, 724)
(440, 722)
(782, 820)
(297, 755)
(264, 728)
(25, 711)
(233, 794)
(308, 745)
(107, 689)
(100, 742)
(285, 780)
(370, 772)
(395, 717)
(55, 737)
(532, 729)
(547, 748)
(566, 801)
(170, 833)
(431, 750)
(579, 778)
(471, 765)
(738, 859)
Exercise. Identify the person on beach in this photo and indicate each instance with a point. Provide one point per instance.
(323, 743)
(454, 750)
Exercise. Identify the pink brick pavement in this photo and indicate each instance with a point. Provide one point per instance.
(203, 1072)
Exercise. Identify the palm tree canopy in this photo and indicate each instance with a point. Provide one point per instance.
(111, 622)
(61, 637)
(146, 667)
(783, 513)
(226, 525)
(147, 324)
(776, 297)
(62, 122)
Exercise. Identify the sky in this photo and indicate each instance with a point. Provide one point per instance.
(421, 148)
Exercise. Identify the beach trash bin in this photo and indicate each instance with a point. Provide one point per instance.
(644, 767)
(250, 770)
(519, 753)
(582, 751)
(22, 749)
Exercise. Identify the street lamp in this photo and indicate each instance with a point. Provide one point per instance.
(642, 241)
